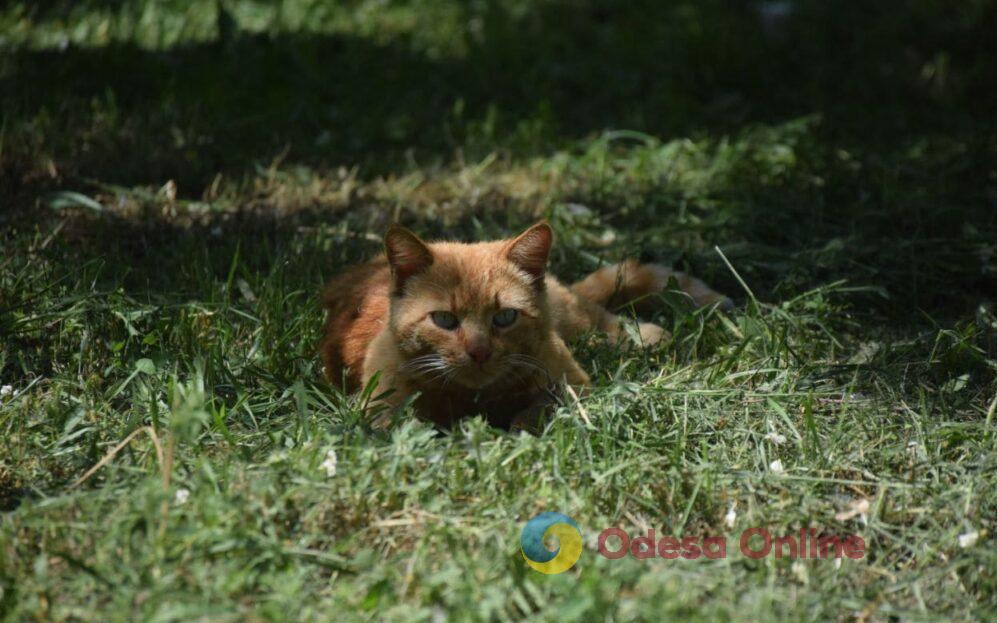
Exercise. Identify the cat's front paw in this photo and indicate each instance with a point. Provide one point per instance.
(651, 334)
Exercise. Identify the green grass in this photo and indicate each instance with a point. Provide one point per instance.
(177, 182)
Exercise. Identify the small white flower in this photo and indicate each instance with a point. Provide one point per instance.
(330, 463)
(6, 390)
(858, 507)
(916, 450)
(181, 496)
(776, 467)
(969, 539)
(577, 209)
(800, 571)
(169, 190)
(247, 292)
(776, 438)
(731, 516)
(276, 458)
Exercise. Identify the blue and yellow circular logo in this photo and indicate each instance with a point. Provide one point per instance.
(551, 525)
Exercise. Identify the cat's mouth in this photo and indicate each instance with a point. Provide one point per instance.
(434, 369)
(479, 377)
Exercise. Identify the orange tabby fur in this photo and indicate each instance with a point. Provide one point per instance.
(381, 320)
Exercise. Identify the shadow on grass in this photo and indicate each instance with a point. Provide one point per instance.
(526, 79)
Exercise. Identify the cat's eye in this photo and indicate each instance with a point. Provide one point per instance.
(444, 320)
(505, 317)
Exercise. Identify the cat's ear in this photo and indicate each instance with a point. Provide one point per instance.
(530, 250)
(407, 255)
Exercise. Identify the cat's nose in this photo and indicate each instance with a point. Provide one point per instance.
(480, 352)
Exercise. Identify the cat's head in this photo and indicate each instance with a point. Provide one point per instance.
(472, 315)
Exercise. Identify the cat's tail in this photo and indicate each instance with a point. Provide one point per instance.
(631, 283)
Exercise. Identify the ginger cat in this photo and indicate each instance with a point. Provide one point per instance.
(476, 328)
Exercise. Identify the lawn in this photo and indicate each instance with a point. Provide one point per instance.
(178, 180)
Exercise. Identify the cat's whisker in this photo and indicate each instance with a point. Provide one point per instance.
(424, 365)
(444, 371)
(531, 359)
(423, 368)
(431, 375)
(528, 363)
(429, 365)
(450, 375)
(522, 359)
(519, 373)
(422, 360)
